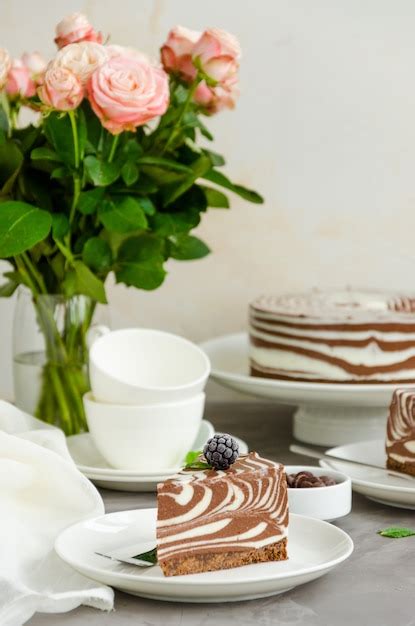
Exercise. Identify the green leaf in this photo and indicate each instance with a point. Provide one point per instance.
(216, 159)
(60, 225)
(188, 247)
(101, 173)
(173, 191)
(58, 130)
(89, 200)
(21, 227)
(88, 284)
(60, 172)
(122, 215)
(11, 160)
(395, 532)
(149, 557)
(198, 465)
(93, 125)
(44, 153)
(168, 164)
(132, 149)
(147, 205)
(129, 173)
(193, 462)
(8, 289)
(192, 456)
(4, 121)
(140, 262)
(215, 198)
(166, 224)
(27, 136)
(220, 179)
(97, 254)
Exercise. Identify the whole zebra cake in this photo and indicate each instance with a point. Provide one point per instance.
(212, 519)
(347, 336)
(400, 433)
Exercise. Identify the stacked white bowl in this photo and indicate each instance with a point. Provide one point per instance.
(146, 402)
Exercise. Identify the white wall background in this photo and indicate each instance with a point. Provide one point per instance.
(325, 129)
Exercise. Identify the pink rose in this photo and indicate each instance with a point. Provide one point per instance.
(126, 92)
(74, 28)
(215, 99)
(35, 63)
(217, 54)
(19, 81)
(5, 64)
(176, 53)
(61, 89)
(81, 58)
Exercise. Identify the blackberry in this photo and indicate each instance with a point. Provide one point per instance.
(221, 451)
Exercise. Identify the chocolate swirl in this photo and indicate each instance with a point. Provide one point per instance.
(334, 336)
(400, 432)
(234, 510)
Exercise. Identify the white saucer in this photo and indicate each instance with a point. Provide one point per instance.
(90, 462)
(329, 413)
(314, 548)
(371, 482)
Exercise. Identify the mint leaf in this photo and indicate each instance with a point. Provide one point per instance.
(198, 465)
(192, 456)
(395, 532)
(148, 557)
(193, 463)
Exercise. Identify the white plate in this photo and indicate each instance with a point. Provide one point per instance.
(89, 461)
(314, 547)
(230, 366)
(369, 481)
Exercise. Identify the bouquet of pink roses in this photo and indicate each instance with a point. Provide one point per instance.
(110, 179)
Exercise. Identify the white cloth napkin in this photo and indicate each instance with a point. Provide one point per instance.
(41, 493)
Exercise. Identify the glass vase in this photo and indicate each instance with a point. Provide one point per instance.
(50, 355)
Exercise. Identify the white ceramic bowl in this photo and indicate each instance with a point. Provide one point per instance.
(147, 437)
(326, 503)
(143, 366)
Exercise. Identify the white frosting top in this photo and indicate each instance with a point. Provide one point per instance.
(348, 304)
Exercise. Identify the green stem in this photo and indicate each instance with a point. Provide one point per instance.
(77, 159)
(35, 273)
(183, 112)
(72, 117)
(114, 144)
(27, 278)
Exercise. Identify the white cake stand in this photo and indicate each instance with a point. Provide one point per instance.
(328, 414)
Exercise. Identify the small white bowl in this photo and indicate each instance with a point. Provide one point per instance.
(325, 503)
(143, 366)
(144, 438)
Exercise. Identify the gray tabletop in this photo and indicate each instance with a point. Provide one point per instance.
(375, 586)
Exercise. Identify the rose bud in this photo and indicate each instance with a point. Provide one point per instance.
(176, 53)
(217, 54)
(74, 28)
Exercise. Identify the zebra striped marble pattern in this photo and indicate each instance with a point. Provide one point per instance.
(210, 511)
(334, 336)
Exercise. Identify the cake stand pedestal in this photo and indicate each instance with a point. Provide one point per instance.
(338, 425)
(328, 414)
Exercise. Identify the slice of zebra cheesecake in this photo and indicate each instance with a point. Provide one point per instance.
(214, 519)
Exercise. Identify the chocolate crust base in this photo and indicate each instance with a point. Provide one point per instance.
(405, 468)
(260, 374)
(210, 562)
